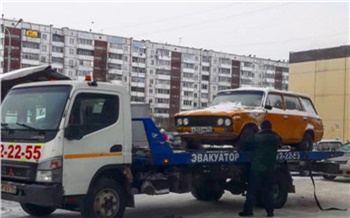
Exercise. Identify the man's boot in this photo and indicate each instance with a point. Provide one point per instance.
(246, 212)
(269, 213)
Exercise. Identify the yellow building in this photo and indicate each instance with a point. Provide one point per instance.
(324, 75)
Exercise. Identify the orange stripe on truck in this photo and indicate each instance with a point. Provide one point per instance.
(92, 155)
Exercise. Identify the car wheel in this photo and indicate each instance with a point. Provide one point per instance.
(328, 177)
(36, 210)
(307, 142)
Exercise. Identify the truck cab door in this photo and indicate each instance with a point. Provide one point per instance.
(93, 138)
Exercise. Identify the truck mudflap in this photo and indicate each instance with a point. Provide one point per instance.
(43, 195)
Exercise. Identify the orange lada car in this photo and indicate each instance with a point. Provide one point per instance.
(236, 114)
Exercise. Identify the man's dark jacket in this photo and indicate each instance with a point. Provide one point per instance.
(264, 146)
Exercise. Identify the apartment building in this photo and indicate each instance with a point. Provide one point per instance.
(171, 78)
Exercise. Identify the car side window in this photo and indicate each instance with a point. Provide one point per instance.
(292, 103)
(275, 100)
(94, 111)
(309, 107)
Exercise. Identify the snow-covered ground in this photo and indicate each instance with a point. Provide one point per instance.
(301, 204)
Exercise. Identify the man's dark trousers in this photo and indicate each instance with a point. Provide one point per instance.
(260, 182)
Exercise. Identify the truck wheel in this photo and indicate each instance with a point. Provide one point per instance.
(307, 143)
(280, 195)
(208, 191)
(106, 199)
(329, 178)
(36, 210)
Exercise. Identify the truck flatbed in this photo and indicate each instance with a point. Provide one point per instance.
(161, 153)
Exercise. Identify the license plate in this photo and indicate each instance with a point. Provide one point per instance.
(202, 129)
(9, 188)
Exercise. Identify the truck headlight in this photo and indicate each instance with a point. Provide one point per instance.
(179, 121)
(228, 121)
(186, 121)
(220, 121)
(50, 170)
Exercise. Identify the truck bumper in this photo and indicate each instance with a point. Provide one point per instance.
(43, 195)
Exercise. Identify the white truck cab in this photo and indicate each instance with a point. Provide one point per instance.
(56, 136)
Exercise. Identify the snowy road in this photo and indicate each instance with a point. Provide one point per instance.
(330, 193)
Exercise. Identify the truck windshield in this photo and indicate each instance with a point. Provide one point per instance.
(240, 98)
(34, 108)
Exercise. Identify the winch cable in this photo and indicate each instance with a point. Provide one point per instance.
(313, 183)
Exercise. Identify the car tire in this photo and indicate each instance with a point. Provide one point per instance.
(328, 177)
(36, 210)
(307, 143)
(105, 193)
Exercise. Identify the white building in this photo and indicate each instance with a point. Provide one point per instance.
(171, 78)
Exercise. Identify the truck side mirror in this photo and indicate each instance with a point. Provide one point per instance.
(268, 107)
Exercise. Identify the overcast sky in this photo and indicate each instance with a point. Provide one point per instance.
(265, 29)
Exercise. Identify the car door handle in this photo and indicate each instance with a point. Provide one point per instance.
(285, 117)
(304, 118)
(116, 148)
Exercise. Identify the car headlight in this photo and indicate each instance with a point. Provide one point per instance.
(50, 170)
(220, 121)
(186, 121)
(228, 121)
(179, 122)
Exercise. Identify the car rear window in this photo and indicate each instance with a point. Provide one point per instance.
(292, 103)
(309, 107)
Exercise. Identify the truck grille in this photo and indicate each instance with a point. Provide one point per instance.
(18, 171)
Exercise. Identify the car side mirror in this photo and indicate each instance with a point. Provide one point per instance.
(268, 107)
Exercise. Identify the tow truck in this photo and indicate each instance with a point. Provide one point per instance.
(75, 145)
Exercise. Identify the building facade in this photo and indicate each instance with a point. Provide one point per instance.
(171, 78)
(324, 74)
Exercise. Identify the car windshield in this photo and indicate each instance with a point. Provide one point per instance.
(34, 108)
(241, 98)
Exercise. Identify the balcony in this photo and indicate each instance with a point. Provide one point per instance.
(143, 65)
(115, 71)
(31, 39)
(57, 54)
(188, 70)
(161, 115)
(161, 105)
(85, 57)
(30, 62)
(115, 61)
(165, 58)
(138, 94)
(138, 84)
(31, 50)
(162, 86)
(87, 47)
(205, 64)
(116, 50)
(227, 66)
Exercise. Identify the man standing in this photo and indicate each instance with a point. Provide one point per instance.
(264, 146)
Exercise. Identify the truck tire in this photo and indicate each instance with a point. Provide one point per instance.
(280, 195)
(307, 143)
(36, 210)
(207, 191)
(105, 199)
(328, 177)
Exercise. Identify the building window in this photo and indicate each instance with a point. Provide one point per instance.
(31, 45)
(30, 56)
(71, 40)
(137, 89)
(85, 41)
(44, 36)
(85, 52)
(125, 58)
(162, 91)
(116, 45)
(43, 47)
(57, 49)
(42, 59)
(114, 66)
(83, 73)
(138, 70)
(57, 38)
(187, 103)
(71, 62)
(57, 60)
(115, 56)
(71, 51)
(204, 86)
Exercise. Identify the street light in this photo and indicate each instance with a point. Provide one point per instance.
(9, 48)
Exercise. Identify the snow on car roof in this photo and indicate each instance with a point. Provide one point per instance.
(264, 90)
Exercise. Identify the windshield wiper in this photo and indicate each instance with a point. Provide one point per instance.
(5, 125)
(26, 125)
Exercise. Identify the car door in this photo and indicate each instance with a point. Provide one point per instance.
(277, 115)
(97, 120)
(296, 121)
